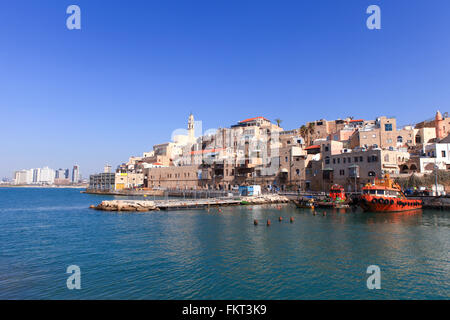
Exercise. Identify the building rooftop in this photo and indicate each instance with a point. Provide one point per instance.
(316, 146)
(253, 119)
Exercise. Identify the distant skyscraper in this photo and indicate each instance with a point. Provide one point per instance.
(60, 174)
(47, 175)
(23, 176)
(36, 175)
(75, 174)
(66, 174)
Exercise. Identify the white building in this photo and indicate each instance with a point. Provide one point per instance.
(436, 154)
(23, 177)
(47, 176)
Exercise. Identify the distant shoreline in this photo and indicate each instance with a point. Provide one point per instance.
(42, 187)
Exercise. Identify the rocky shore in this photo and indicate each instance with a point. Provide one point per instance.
(264, 199)
(143, 205)
(125, 205)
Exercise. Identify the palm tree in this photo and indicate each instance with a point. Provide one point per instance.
(311, 129)
(304, 132)
(278, 121)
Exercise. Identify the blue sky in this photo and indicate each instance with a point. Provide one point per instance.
(137, 68)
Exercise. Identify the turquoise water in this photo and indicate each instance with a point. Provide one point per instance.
(195, 254)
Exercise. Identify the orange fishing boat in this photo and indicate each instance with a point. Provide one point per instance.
(337, 193)
(386, 196)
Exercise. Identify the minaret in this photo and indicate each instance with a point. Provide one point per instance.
(191, 128)
(439, 125)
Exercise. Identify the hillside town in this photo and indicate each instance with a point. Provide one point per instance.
(256, 151)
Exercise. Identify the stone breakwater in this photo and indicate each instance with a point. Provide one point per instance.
(126, 205)
(131, 205)
(265, 199)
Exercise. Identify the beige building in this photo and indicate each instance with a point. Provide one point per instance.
(354, 168)
(183, 177)
(128, 180)
(382, 134)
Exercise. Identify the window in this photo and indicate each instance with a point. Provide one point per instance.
(389, 141)
(297, 171)
(356, 159)
(342, 172)
(327, 148)
(344, 159)
(386, 158)
(349, 160)
(339, 160)
(443, 154)
(288, 142)
(360, 159)
(388, 127)
(327, 160)
(334, 161)
(400, 139)
(286, 159)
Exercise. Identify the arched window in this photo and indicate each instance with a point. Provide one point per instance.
(413, 167)
(327, 160)
(399, 139)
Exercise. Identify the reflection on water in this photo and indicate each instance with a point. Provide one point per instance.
(200, 254)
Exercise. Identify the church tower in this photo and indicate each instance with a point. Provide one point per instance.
(191, 128)
(439, 125)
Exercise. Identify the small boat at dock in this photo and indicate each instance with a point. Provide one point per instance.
(307, 203)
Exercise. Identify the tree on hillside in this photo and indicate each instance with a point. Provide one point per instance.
(311, 131)
(304, 132)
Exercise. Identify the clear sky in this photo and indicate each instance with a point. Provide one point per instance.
(136, 69)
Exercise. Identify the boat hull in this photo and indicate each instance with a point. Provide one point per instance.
(386, 204)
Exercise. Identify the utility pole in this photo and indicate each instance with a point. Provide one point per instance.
(436, 177)
(290, 166)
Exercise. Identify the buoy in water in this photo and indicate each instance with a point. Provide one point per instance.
(324, 213)
(220, 210)
(291, 220)
(268, 222)
(255, 222)
(280, 219)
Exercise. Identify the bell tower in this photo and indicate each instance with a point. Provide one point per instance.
(439, 125)
(191, 128)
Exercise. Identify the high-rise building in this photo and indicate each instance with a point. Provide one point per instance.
(36, 175)
(47, 175)
(23, 177)
(75, 174)
(66, 174)
(60, 174)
